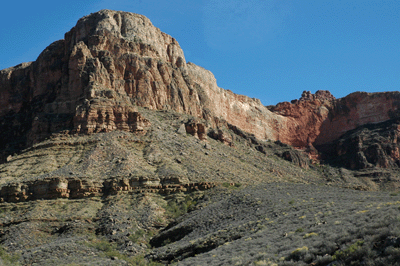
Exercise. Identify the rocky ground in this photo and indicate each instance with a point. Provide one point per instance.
(284, 224)
(271, 204)
(265, 224)
(165, 148)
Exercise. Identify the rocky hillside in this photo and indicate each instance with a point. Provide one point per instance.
(116, 151)
(123, 198)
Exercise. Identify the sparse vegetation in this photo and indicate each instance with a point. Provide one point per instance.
(9, 259)
(176, 208)
(231, 185)
(260, 223)
(328, 239)
(310, 235)
(110, 250)
(105, 246)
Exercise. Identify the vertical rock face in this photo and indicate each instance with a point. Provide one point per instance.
(358, 109)
(108, 64)
(112, 62)
(304, 118)
(319, 118)
(368, 146)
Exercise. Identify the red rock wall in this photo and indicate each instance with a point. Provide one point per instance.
(314, 120)
(358, 109)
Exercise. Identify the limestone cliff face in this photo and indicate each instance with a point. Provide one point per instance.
(112, 62)
(107, 65)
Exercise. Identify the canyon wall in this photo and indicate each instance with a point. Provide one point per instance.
(112, 62)
(357, 109)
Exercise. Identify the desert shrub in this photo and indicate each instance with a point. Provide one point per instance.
(140, 260)
(110, 250)
(354, 254)
(326, 247)
(298, 254)
(7, 258)
(291, 263)
(231, 185)
(323, 260)
(142, 236)
(238, 185)
(392, 256)
(175, 209)
(103, 245)
(308, 235)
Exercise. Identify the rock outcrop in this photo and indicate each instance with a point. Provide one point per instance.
(113, 63)
(369, 146)
(197, 129)
(321, 95)
(73, 188)
(104, 116)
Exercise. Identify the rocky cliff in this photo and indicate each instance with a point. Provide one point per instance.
(112, 62)
(108, 64)
(369, 146)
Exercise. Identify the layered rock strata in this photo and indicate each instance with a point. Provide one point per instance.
(112, 62)
(94, 78)
(72, 188)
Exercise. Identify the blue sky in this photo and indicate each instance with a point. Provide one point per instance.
(267, 49)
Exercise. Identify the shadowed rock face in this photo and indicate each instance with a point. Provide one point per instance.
(111, 62)
(369, 146)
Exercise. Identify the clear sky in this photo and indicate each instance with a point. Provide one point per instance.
(268, 49)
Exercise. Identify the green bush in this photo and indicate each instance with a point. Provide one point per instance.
(299, 230)
(142, 236)
(175, 209)
(7, 258)
(110, 250)
(349, 253)
(102, 245)
(298, 254)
